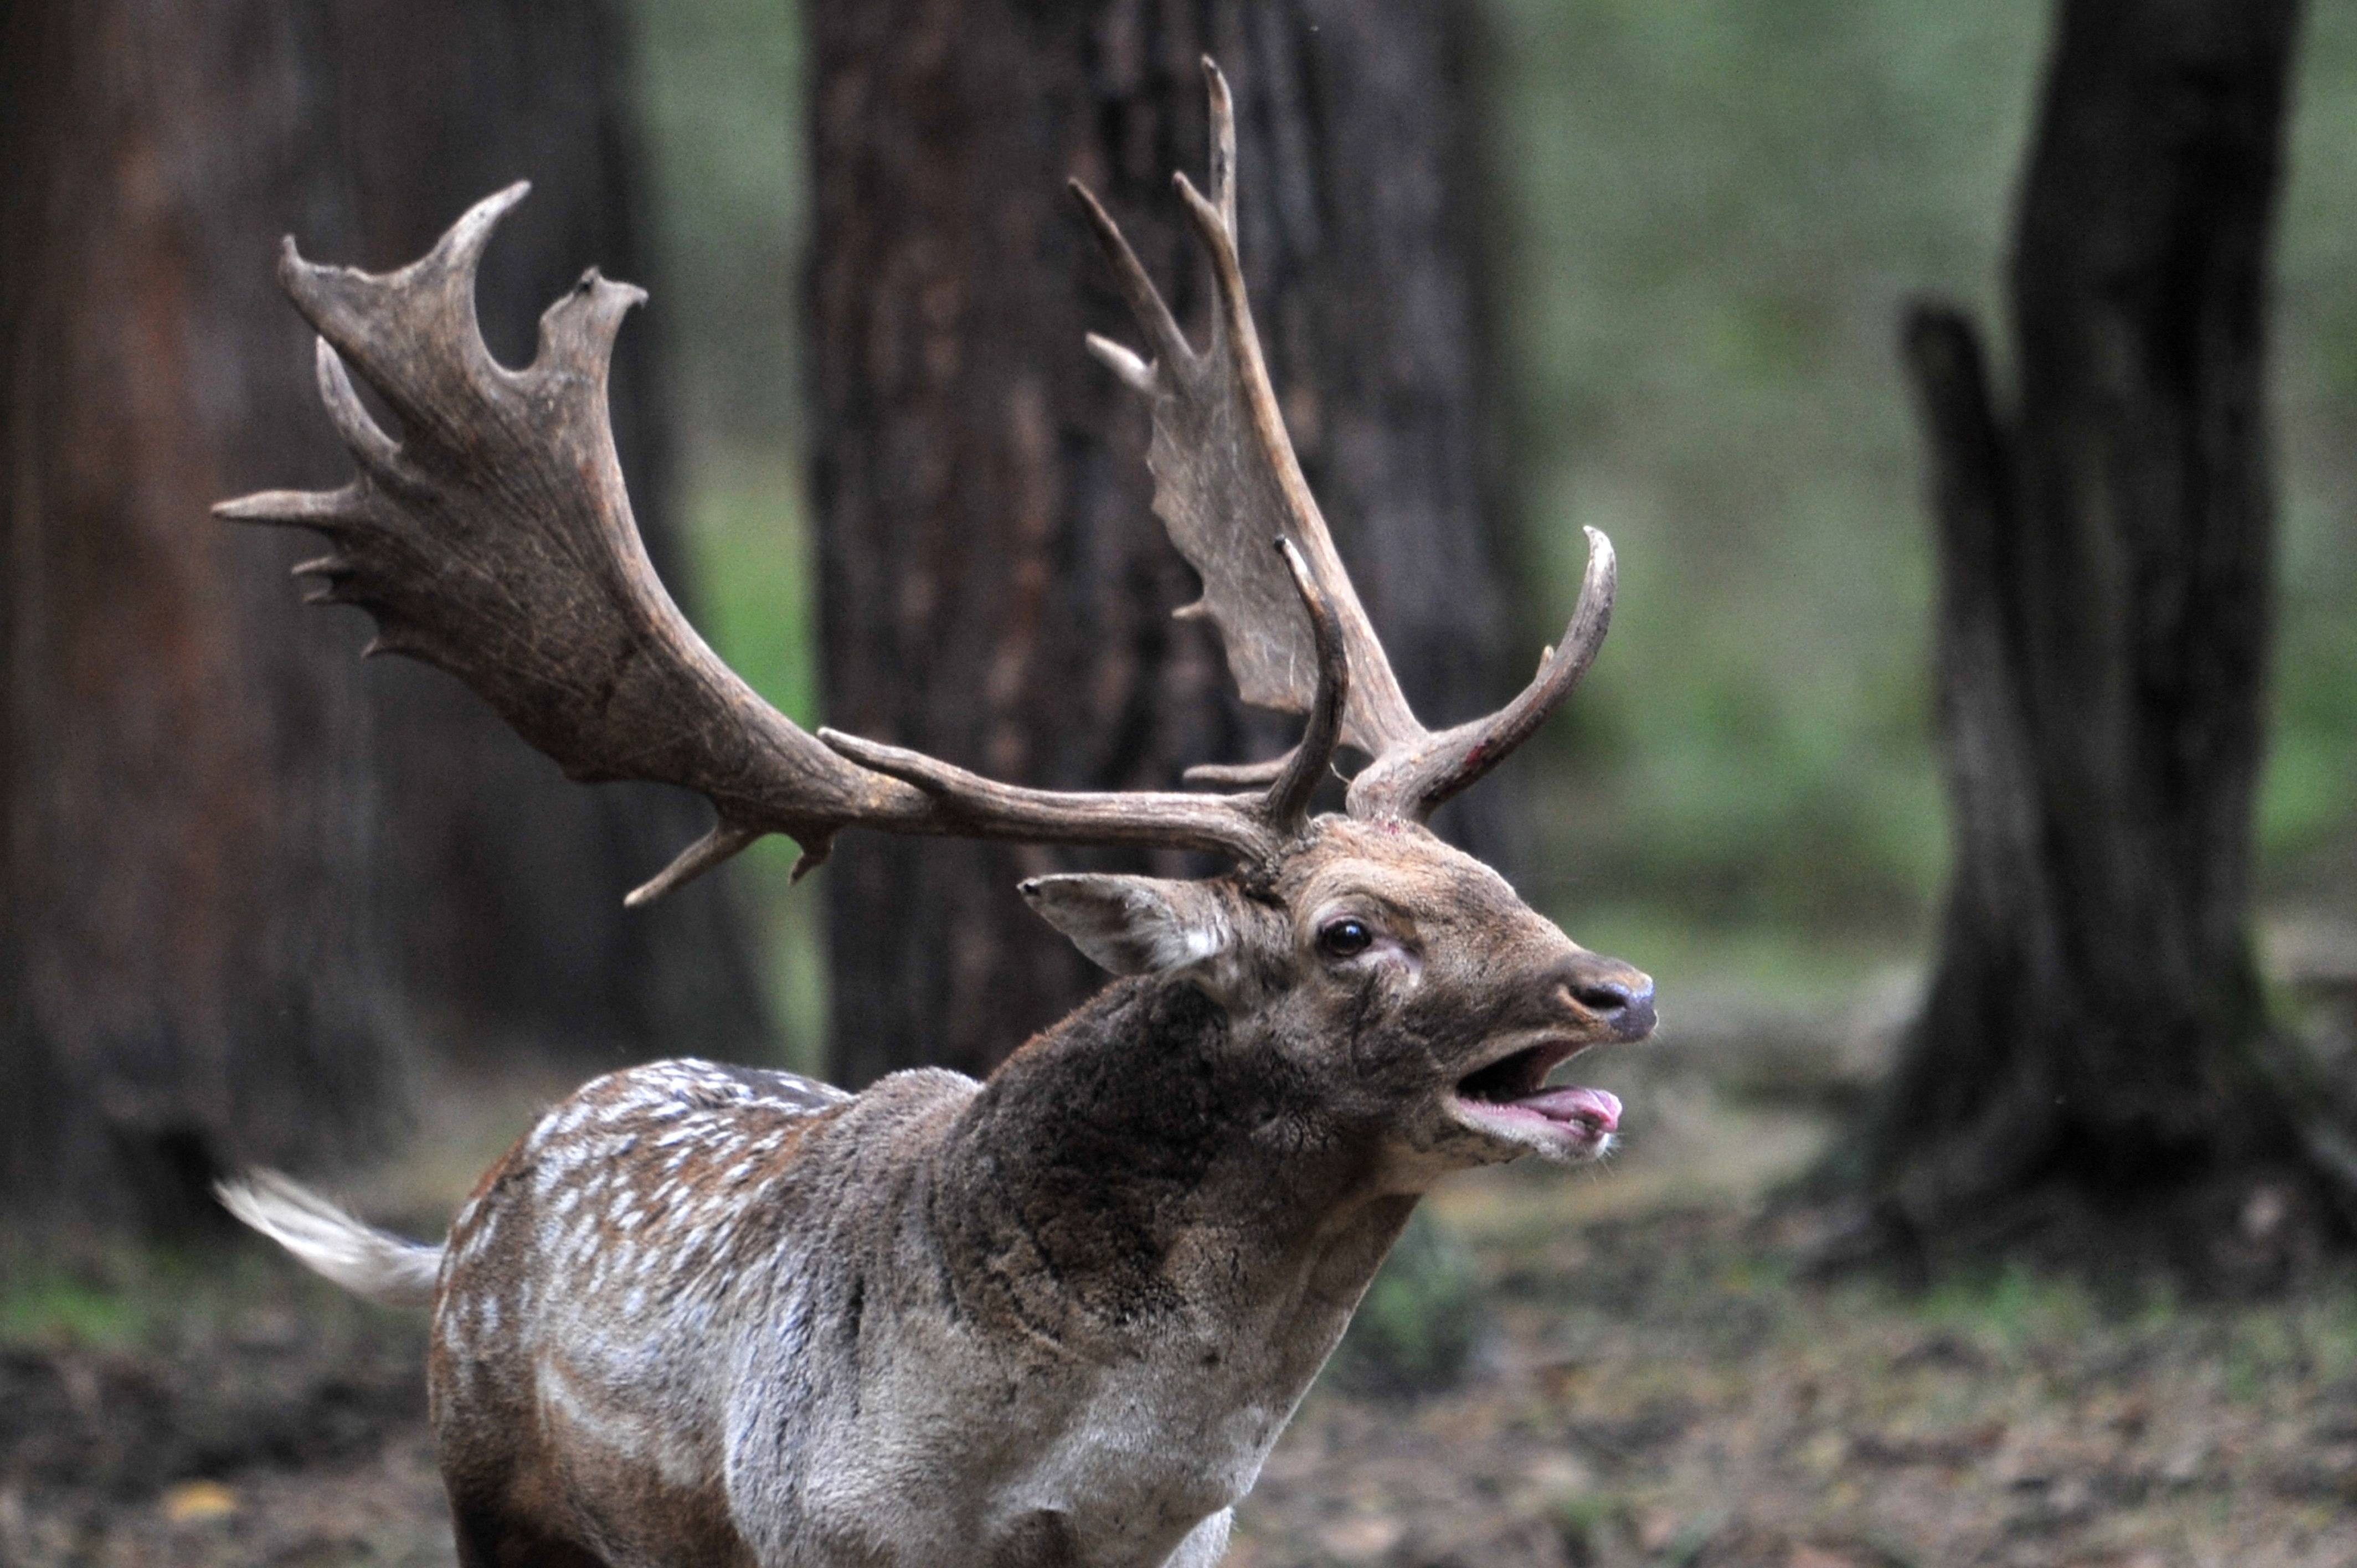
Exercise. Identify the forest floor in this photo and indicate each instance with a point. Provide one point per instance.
(1657, 1379)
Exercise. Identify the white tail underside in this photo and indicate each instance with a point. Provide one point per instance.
(368, 1262)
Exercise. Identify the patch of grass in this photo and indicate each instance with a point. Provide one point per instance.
(2264, 1348)
(114, 1294)
(1588, 1521)
(2328, 1331)
(2010, 1309)
(59, 1309)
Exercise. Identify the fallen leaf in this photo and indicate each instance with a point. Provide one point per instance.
(1363, 1539)
(1806, 1556)
(192, 1502)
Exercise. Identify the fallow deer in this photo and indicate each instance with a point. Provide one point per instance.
(713, 1315)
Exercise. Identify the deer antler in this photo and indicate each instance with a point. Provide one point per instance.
(1226, 477)
(495, 540)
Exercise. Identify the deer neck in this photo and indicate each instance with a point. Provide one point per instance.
(1138, 1169)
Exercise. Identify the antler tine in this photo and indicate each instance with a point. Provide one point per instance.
(1288, 794)
(971, 806)
(1226, 478)
(495, 541)
(352, 310)
(1154, 318)
(1223, 144)
(1247, 826)
(1225, 470)
(369, 445)
(1413, 781)
(1240, 775)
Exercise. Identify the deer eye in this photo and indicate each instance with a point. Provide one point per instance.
(1345, 938)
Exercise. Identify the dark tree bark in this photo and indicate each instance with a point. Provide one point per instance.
(996, 589)
(2094, 1022)
(506, 889)
(227, 861)
(191, 967)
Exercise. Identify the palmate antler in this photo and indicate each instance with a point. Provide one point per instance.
(494, 538)
(1226, 479)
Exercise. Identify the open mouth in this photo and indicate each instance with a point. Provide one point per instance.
(1509, 1097)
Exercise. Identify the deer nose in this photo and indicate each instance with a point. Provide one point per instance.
(1618, 996)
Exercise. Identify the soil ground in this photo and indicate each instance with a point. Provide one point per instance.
(1656, 1382)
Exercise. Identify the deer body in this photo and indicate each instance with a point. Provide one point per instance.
(817, 1366)
(1058, 1317)
(829, 1378)
(702, 1314)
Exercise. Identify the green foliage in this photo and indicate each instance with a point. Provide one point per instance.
(1421, 1318)
(1715, 212)
(720, 99)
(1588, 1521)
(751, 546)
(2307, 812)
(749, 534)
(118, 1294)
(48, 1308)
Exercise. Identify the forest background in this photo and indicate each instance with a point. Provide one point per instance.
(1700, 223)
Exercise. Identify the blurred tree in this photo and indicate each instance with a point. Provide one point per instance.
(994, 588)
(2096, 1021)
(236, 875)
(505, 888)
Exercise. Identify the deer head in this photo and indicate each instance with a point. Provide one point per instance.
(1401, 982)
(1403, 978)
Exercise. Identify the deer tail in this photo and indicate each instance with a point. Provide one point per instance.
(368, 1262)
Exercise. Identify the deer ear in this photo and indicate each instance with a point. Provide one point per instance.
(1135, 925)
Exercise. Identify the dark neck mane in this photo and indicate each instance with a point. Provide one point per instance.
(1137, 1164)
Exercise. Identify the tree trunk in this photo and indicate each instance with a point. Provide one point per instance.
(506, 886)
(996, 589)
(221, 851)
(2095, 1022)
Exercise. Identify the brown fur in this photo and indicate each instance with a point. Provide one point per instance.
(1206, 1161)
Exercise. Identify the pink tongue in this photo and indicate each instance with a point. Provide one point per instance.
(1599, 1106)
